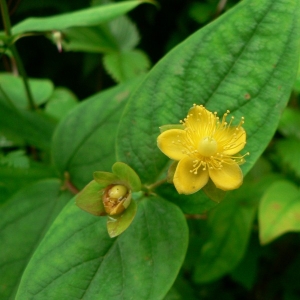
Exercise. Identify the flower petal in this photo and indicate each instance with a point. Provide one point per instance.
(230, 176)
(187, 182)
(201, 119)
(232, 140)
(169, 142)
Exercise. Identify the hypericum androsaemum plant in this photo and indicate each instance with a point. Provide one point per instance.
(245, 60)
(206, 147)
(111, 194)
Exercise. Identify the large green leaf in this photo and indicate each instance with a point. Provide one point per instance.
(24, 220)
(85, 17)
(245, 61)
(279, 211)
(13, 179)
(84, 141)
(77, 259)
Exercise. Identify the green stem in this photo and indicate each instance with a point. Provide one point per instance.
(12, 47)
(5, 17)
(156, 184)
(24, 76)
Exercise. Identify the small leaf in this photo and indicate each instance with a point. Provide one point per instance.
(16, 159)
(126, 174)
(171, 171)
(290, 123)
(125, 33)
(96, 39)
(213, 192)
(117, 224)
(279, 211)
(90, 199)
(60, 103)
(288, 151)
(13, 86)
(126, 65)
(105, 178)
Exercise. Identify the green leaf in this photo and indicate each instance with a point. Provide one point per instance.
(279, 211)
(33, 127)
(15, 159)
(85, 139)
(119, 223)
(290, 123)
(288, 151)
(12, 179)
(119, 34)
(124, 32)
(105, 178)
(126, 174)
(60, 103)
(246, 271)
(197, 203)
(213, 192)
(85, 17)
(245, 61)
(230, 226)
(77, 253)
(13, 87)
(96, 39)
(90, 199)
(24, 220)
(123, 66)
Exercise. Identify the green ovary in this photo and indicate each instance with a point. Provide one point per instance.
(117, 191)
(207, 146)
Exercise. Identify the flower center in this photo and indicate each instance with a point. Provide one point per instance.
(207, 146)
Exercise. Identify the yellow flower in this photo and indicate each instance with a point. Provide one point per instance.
(206, 147)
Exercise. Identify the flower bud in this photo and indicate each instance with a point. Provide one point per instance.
(116, 198)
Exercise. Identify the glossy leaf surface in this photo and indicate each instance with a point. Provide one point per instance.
(245, 61)
(84, 141)
(78, 253)
(24, 220)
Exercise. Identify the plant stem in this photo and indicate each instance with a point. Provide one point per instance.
(68, 185)
(156, 184)
(12, 47)
(5, 17)
(24, 76)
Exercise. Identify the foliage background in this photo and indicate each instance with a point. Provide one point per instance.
(240, 249)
